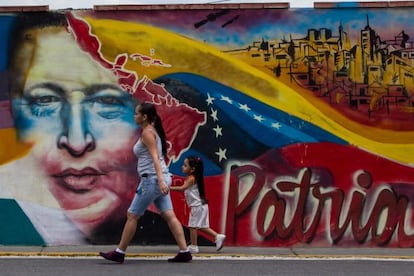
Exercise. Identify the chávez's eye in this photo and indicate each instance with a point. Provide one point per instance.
(110, 100)
(44, 94)
(43, 100)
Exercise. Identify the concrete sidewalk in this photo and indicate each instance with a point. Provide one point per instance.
(209, 251)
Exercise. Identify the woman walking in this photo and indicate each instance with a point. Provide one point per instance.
(154, 187)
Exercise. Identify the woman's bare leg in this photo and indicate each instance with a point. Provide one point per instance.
(176, 228)
(129, 231)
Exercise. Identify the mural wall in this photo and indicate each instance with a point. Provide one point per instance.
(304, 119)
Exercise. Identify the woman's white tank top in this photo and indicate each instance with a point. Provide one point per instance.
(145, 163)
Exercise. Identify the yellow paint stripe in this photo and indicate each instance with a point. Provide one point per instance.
(10, 148)
(187, 55)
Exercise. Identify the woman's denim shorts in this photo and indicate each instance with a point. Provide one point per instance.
(149, 192)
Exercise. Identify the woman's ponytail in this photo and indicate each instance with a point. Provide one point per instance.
(153, 117)
(160, 130)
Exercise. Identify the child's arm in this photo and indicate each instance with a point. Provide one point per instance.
(187, 183)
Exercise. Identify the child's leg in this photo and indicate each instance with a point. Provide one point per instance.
(193, 236)
(218, 238)
(209, 232)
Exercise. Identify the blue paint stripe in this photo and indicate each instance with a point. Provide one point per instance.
(292, 129)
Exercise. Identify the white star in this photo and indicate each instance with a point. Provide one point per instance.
(209, 99)
(244, 107)
(221, 154)
(258, 117)
(276, 125)
(214, 115)
(217, 130)
(226, 99)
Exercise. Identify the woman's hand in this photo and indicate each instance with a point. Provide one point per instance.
(164, 188)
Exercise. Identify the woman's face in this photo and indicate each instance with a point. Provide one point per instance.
(82, 129)
(138, 117)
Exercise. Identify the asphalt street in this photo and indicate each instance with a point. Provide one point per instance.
(152, 260)
(302, 252)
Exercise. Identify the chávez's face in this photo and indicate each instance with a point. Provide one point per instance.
(82, 129)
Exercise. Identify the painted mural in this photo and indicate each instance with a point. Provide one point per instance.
(304, 119)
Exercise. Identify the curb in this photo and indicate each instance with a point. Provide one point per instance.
(243, 256)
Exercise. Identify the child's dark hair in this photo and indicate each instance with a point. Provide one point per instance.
(198, 173)
(149, 110)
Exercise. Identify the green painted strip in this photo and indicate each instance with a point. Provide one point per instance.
(15, 226)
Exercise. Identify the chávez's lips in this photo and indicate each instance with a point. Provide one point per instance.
(78, 180)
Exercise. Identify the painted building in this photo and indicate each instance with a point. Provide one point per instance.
(303, 118)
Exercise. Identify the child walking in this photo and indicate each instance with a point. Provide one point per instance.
(195, 197)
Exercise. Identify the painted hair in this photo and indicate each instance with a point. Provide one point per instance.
(21, 36)
(196, 163)
(153, 118)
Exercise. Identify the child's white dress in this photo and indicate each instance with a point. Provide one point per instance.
(199, 211)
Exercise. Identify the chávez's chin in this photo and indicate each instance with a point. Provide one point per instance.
(92, 216)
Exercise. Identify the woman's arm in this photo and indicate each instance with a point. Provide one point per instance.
(149, 140)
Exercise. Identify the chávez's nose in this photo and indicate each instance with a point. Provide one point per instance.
(76, 138)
